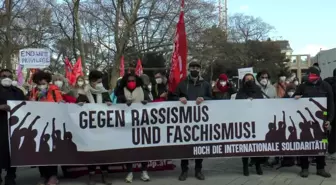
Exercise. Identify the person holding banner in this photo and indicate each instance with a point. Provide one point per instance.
(94, 92)
(131, 91)
(316, 87)
(46, 92)
(160, 91)
(193, 88)
(250, 90)
(8, 92)
(223, 89)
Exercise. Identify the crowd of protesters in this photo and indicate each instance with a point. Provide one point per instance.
(131, 88)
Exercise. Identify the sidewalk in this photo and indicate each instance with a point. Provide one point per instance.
(217, 172)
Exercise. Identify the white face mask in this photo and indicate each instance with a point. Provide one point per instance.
(150, 87)
(87, 82)
(158, 80)
(59, 84)
(99, 86)
(296, 83)
(282, 78)
(42, 87)
(14, 83)
(290, 94)
(222, 83)
(263, 82)
(80, 83)
(6, 82)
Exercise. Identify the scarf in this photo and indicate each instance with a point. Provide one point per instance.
(136, 96)
(41, 94)
(89, 91)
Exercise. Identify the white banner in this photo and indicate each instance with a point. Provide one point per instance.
(156, 127)
(34, 57)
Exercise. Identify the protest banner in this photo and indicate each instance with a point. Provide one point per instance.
(36, 58)
(69, 134)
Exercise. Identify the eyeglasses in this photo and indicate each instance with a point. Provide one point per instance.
(264, 77)
(7, 76)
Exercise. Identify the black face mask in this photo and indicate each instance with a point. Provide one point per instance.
(249, 83)
(194, 73)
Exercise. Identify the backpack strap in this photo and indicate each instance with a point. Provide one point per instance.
(54, 95)
(265, 94)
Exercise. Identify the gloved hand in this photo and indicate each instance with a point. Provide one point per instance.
(144, 102)
(129, 102)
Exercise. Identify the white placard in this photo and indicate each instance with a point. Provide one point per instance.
(34, 57)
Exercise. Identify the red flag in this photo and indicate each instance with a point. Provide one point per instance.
(138, 68)
(178, 70)
(122, 67)
(68, 70)
(77, 71)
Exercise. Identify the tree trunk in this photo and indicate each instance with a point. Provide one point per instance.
(79, 34)
(8, 42)
(121, 42)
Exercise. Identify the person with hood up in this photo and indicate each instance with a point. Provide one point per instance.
(250, 90)
(131, 91)
(263, 81)
(94, 92)
(160, 88)
(147, 86)
(280, 86)
(193, 88)
(316, 87)
(62, 83)
(223, 89)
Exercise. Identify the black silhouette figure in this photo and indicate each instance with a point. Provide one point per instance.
(17, 134)
(281, 132)
(292, 131)
(56, 137)
(29, 145)
(319, 114)
(44, 146)
(271, 134)
(13, 120)
(305, 126)
(69, 145)
(315, 125)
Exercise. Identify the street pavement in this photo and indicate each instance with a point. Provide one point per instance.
(226, 171)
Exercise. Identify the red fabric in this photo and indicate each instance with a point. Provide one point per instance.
(313, 77)
(77, 71)
(69, 99)
(68, 70)
(122, 67)
(159, 99)
(221, 88)
(32, 72)
(138, 68)
(178, 70)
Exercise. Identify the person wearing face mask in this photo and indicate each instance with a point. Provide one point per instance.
(223, 89)
(94, 92)
(62, 83)
(131, 91)
(263, 81)
(316, 87)
(7, 92)
(250, 90)
(160, 91)
(193, 88)
(46, 92)
(280, 86)
(147, 86)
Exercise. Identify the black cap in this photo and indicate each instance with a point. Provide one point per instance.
(314, 70)
(195, 64)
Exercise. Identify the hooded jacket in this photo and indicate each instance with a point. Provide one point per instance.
(318, 89)
(191, 89)
(269, 91)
